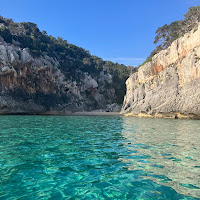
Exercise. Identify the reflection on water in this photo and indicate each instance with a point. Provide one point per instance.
(168, 151)
(83, 158)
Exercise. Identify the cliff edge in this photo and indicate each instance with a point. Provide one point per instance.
(169, 85)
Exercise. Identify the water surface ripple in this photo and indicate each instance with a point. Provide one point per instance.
(79, 157)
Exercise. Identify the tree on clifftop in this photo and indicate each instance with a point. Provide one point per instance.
(166, 34)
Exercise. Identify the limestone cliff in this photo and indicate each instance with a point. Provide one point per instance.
(169, 85)
(41, 74)
(36, 85)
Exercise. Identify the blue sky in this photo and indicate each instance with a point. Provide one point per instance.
(122, 31)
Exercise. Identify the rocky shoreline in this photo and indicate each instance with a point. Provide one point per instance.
(56, 113)
(164, 115)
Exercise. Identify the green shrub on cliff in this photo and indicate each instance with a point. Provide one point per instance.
(5, 33)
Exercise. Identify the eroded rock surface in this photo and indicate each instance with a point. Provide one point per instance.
(36, 85)
(169, 86)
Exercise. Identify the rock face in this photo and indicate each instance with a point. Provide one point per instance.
(169, 85)
(36, 85)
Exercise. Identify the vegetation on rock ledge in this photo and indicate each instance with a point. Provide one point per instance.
(166, 34)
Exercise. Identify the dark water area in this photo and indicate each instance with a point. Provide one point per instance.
(99, 157)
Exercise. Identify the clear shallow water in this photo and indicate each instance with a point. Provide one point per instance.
(62, 157)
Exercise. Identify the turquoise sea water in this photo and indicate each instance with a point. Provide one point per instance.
(79, 157)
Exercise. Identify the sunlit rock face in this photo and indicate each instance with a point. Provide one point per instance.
(36, 85)
(168, 86)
